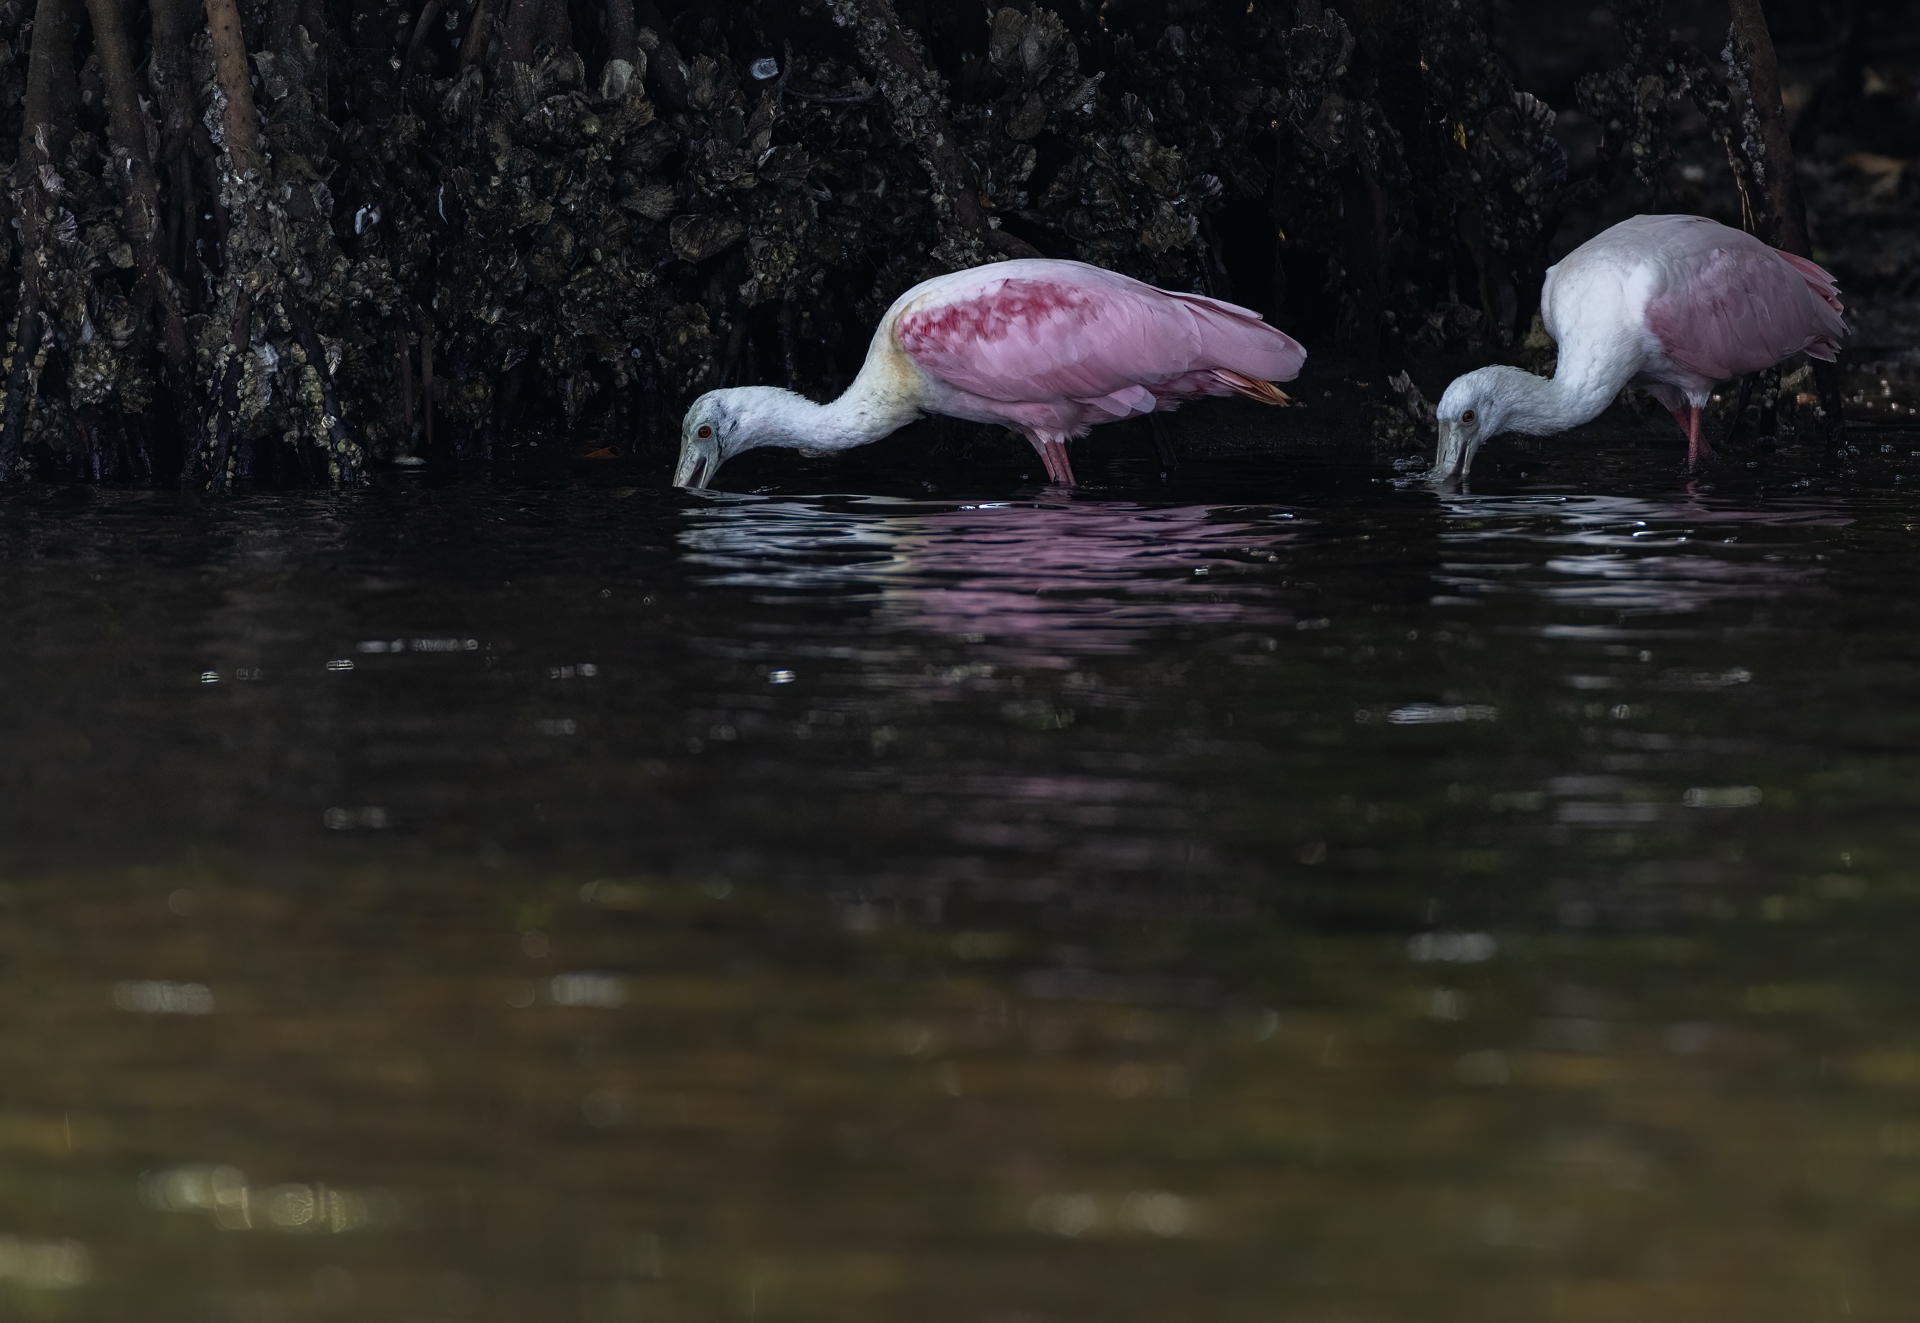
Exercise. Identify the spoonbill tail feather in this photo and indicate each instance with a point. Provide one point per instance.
(1048, 348)
(1675, 304)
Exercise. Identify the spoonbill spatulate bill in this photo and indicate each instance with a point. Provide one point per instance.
(1048, 348)
(1674, 304)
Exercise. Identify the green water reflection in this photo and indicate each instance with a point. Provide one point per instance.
(1285, 895)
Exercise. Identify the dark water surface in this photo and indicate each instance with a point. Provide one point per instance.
(1279, 895)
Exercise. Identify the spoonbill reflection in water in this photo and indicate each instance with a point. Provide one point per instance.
(1048, 348)
(1676, 304)
(1643, 558)
(1045, 582)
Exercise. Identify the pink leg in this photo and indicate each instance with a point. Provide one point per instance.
(1698, 451)
(1053, 453)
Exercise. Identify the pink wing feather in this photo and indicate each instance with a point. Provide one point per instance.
(1045, 331)
(1738, 306)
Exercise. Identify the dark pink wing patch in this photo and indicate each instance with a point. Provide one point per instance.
(1745, 307)
(1012, 308)
(1085, 338)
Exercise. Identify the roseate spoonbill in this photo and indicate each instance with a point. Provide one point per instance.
(1048, 348)
(1675, 304)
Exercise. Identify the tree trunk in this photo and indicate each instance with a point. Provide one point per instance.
(623, 51)
(283, 16)
(920, 116)
(1844, 82)
(1753, 48)
(246, 239)
(473, 47)
(403, 367)
(170, 79)
(666, 71)
(556, 27)
(343, 455)
(222, 439)
(45, 129)
(1786, 225)
(422, 29)
(240, 124)
(523, 28)
(140, 187)
(425, 322)
(313, 18)
(23, 367)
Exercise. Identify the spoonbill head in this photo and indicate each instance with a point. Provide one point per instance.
(1481, 404)
(722, 423)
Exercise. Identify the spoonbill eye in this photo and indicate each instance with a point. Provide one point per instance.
(704, 432)
(1466, 417)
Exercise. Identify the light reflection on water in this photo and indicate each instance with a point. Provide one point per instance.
(1483, 907)
(1089, 578)
(1637, 556)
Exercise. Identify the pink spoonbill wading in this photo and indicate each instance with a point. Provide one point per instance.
(1674, 304)
(1048, 348)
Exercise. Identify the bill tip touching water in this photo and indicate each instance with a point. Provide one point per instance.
(1048, 348)
(1673, 304)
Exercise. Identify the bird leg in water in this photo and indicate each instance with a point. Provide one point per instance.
(1698, 451)
(1162, 444)
(1053, 453)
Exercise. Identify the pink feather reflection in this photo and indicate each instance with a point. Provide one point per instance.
(1051, 581)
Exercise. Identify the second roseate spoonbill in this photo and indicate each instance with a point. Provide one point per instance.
(1675, 304)
(1048, 348)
